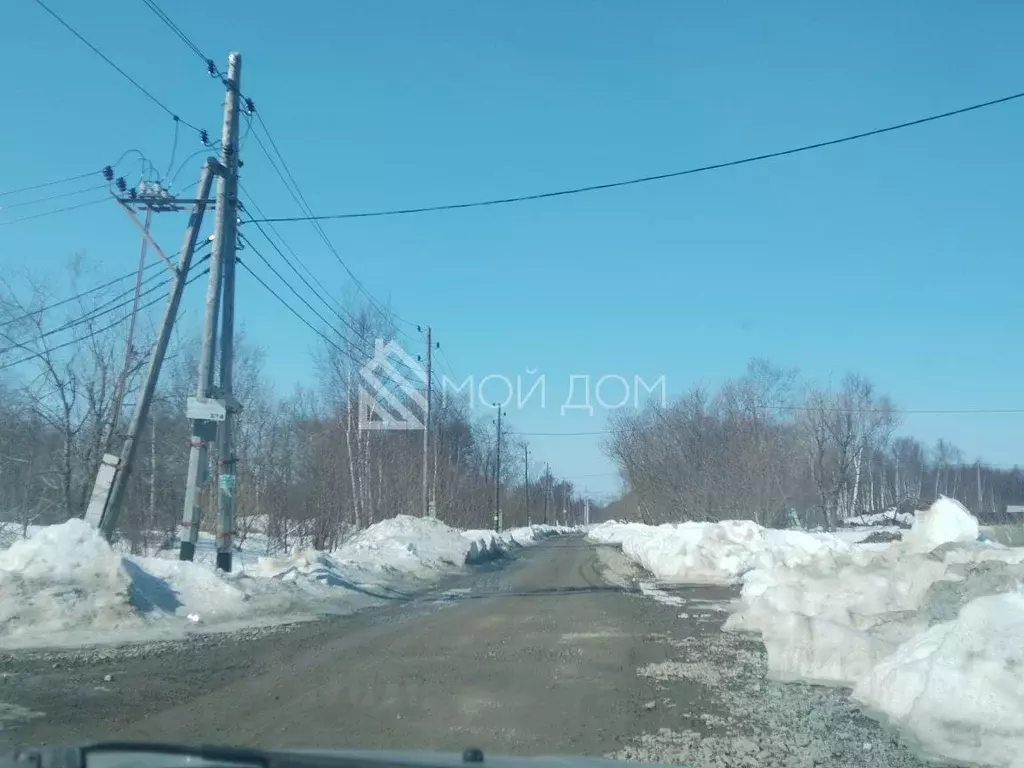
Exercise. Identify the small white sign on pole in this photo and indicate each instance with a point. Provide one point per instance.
(101, 490)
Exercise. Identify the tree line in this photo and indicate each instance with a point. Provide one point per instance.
(770, 448)
(308, 476)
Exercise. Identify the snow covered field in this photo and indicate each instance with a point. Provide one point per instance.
(925, 631)
(64, 585)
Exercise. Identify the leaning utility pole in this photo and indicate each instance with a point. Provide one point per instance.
(526, 463)
(426, 436)
(207, 411)
(112, 509)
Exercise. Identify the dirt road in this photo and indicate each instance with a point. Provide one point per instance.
(554, 651)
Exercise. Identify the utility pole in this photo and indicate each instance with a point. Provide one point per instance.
(526, 463)
(497, 479)
(426, 437)
(547, 490)
(227, 217)
(112, 508)
(205, 411)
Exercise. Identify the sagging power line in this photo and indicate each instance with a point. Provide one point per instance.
(655, 177)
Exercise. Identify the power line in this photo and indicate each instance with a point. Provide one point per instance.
(104, 308)
(300, 200)
(158, 11)
(53, 183)
(290, 183)
(284, 282)
(94, 289)
(77, 296)
(56, 210)
(48, 198)
(655, 177)
(295, 312)
(302, 277)
(94, 333)
(142, 89)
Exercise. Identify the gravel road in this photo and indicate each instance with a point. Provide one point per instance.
(562, 648)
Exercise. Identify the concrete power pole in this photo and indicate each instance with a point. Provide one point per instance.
(547, 490)
(426, 438)
(526, 463)
(497, 478)
(205, 411)
(112, 509)
(227, 206)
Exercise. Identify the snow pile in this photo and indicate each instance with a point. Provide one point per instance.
(926, 630)
(713, 553)
(423, 547)
(957, 689)
(65, 585)
(945, 522)
(62, 577)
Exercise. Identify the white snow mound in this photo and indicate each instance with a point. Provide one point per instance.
(64, 585)
(946, 521)
(926, 630)
(63, 577)
(957, 689)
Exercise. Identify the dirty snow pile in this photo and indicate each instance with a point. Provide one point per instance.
(65, 585)
(926, 631)
(889, 517)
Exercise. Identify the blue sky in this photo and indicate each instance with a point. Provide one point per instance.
(897, 256)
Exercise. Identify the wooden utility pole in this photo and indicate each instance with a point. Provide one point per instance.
(227, 217)
(112, 509)
(426, 437)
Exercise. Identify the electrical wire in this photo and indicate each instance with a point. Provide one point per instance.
(158, 11)
(50, 183)
(647, 179)
(284, 282)
(174, 146)
(92, 334)
(105, 307)
(331, 305)
(97, 288)
(142, 89)
(54, 211)
(288, 180)
(37, 200)
(305, 282)
(297, 314)
(77, 296)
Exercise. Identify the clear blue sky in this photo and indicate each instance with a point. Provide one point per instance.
(898, 257)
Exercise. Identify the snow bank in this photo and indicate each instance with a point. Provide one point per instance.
(713, 553)
(957, 689)
(62, 577)
(926, 630)
(65, 585)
